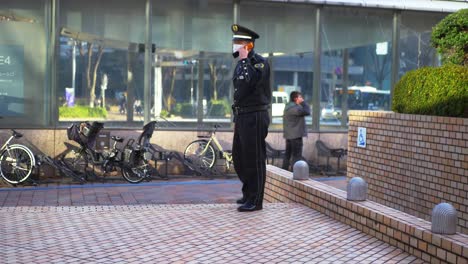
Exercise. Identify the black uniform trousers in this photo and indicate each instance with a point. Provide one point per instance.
(293, 151)
(249, 153)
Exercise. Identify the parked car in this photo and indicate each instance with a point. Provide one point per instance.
(279, 101)
(329, 112)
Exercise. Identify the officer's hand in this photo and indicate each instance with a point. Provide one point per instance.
(243, 52)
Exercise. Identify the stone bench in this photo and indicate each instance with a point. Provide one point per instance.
(399, 229)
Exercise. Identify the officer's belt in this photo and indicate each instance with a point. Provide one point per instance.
(249, 109)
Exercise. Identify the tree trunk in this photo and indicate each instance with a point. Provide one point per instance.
(88, 74)
(214, 79)
(92, 91)
(171, 92)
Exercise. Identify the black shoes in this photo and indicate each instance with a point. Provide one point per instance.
(249, 207)
(241, 200)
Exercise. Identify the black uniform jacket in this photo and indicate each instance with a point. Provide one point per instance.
(252, 81)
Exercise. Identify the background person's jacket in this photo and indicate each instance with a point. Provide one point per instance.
(294, 125)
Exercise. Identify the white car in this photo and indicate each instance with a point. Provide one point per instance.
(278, 103)
(329, 112)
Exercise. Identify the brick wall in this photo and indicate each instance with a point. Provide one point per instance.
(397, 228)
(412, 162)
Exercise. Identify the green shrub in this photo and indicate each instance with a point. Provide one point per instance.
(82, 112)
(219, 108)
(441, 91)
(450, 38)
(183, 109)
(164, 113)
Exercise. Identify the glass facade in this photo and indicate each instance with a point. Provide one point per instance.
(356, 56)
(193, 65)
(24, 93)
(94, 68)
(100, 61)
(287, 40)
(415, 36)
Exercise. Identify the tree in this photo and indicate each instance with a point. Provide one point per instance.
(450, 38)
(91, 80)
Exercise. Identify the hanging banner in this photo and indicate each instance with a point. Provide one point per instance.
(11, 80)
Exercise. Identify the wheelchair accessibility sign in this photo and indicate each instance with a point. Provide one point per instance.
(361, 137)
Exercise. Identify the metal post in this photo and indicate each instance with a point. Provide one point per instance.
(395, 53)
(148, 64)
(51, 113)
(236, 11)
(201, 73)
(344, 97)
(317, 73)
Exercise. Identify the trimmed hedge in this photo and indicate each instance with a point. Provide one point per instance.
(219, 108)
(82, 112)
(450, 38)
(183, 110)
(441, 91)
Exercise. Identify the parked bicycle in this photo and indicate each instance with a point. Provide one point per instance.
(16, 160)
(203, 153)
(84, 159)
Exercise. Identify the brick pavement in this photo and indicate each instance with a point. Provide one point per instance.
(159, 223)
(172, 192)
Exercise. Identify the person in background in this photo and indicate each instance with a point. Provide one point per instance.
(123, 104)
(294, 128)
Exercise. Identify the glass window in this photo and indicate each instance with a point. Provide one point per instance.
(101, 60)
(23, 59)
(287, 39)
(366, 36)
(193, 62)
(415, 40)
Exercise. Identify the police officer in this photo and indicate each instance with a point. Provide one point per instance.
(252, 97)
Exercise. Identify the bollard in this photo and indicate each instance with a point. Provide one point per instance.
(300, 170)
(444, 219)
(356, 189)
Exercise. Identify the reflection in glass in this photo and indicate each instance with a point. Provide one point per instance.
(287, 40)
(101, 60)
(365, 37)
(415, 36)
(23, 59)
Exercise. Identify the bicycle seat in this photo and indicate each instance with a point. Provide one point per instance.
(16, 134)
(118, 139)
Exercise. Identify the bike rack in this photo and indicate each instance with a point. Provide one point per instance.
(59, 166)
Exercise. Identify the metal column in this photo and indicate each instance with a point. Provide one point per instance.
(148, 62)
(395, 53)
(51, 112)
(236, 11)
(317, 73)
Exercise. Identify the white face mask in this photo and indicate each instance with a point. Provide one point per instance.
(236, 47)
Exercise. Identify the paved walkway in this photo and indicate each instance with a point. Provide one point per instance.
(135, 224)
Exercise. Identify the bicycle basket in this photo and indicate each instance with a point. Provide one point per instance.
(73, 133)
(90, 132)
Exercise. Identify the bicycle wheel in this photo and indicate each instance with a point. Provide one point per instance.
(77, 162)
(198, 154)
(16, 164)
(136, 172)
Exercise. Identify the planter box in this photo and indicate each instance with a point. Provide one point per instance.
(412, 162)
